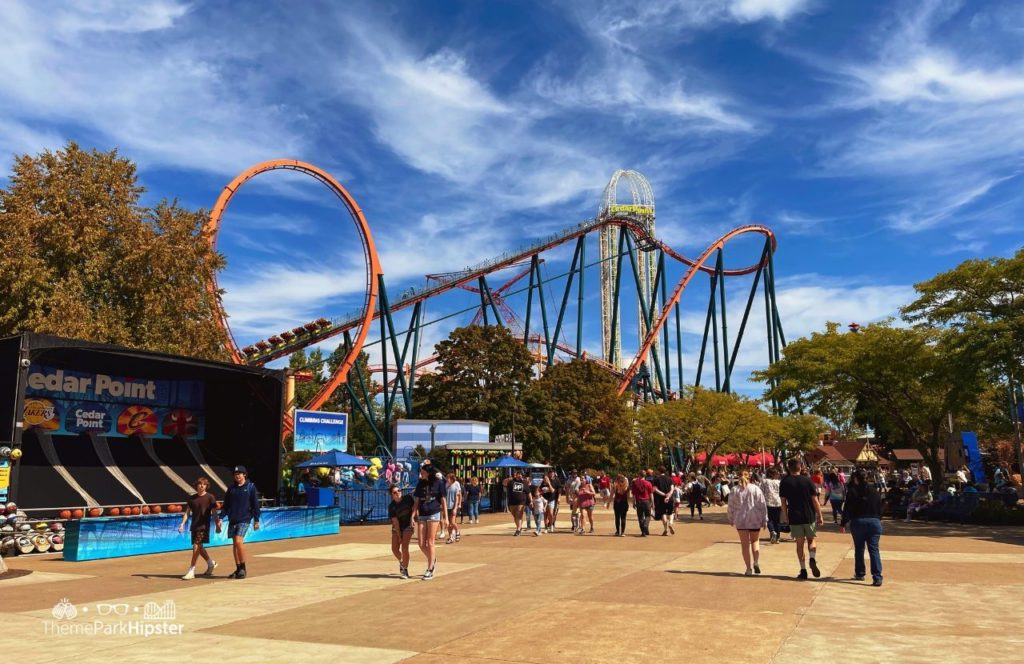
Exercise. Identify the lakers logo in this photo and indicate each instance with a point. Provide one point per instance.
(41, 413)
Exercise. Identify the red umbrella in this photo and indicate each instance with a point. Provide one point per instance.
(762, 459)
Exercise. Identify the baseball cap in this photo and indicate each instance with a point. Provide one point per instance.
(240, 469)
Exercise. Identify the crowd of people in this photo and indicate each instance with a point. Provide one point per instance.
(755, 501)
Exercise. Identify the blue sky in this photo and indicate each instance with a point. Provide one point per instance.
(882, 141)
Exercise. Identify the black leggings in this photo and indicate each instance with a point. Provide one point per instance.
(696, 504)
(621, 510)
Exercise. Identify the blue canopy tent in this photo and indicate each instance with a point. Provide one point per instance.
(506, 462)
(333, 459)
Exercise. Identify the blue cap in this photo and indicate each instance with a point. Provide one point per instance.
(241, 469)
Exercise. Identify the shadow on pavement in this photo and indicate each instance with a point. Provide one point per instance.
(777, 577)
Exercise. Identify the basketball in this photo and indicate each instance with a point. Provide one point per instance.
(136, 510)
(115, 511)
(96, 511)
(77, 514)
(156, 509)
(145, 509)
(64, 514)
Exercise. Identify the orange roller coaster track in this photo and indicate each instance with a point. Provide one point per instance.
(373, 269)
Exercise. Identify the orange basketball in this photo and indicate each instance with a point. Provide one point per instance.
(136, 510)
(157, 509)
(77, 514)
(96, 511)
(64, 514)
(114, 511)
(145, 509)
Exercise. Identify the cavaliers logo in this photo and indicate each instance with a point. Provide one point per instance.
(137, 419)
(42, 413)
(180, 422)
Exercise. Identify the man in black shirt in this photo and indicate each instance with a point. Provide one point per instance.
(663, 505)
(802, 511)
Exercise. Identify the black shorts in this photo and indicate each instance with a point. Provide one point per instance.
(661, 509)
(201, 535)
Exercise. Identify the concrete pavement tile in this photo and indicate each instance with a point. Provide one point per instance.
(606, 632)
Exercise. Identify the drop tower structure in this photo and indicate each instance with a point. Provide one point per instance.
(640, 208)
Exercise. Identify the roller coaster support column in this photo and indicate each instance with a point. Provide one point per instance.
(354, 403)
(664, 298)
(725, 327)
(746, 315)
(645, 312)
(708, 327)
(487, 300)
(536, 281)
(613, 356)
(579, 298)
(565, 298)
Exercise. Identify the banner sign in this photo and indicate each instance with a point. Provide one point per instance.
(973, 454)
(317, 431)
(68, 402)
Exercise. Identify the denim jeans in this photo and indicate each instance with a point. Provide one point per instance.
(867, 531)
(774, 517)
(474, 509)
(643, 516)
(538, 518)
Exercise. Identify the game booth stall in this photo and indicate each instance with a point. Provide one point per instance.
(100, 446)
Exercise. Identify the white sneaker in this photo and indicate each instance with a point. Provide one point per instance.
(190, 574)
(210, 566)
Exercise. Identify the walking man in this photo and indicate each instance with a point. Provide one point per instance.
(664, 504)
(242, 506)
(643, 493)
(801, 509)
(201, 506)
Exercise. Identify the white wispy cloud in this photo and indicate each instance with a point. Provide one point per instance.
(941, 118)
(120, 72)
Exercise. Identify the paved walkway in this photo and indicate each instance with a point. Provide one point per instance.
(951, 594)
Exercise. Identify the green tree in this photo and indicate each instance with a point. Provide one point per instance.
(80, 257)
(576, 418)
(795, 434)
(705, 421)
(482, 372)
(982, 300)
(911, 378)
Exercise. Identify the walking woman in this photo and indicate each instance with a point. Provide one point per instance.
(863, 512)
(748, 513)
(400, 512)
(770, 489)
(518, 499)
(836, 492)
(620, 503)
(431, 510)
(585, 500)
(453, 504)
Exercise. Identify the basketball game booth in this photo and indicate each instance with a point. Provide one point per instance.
(100, 446)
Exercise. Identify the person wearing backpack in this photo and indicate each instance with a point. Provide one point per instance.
(242, 506)
(695, 495)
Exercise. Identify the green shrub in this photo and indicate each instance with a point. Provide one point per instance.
(996, 513)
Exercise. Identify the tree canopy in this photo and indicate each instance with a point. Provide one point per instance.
(577, 419)
(909, 379)
(80, 257)
(709, 421)
(482, 372)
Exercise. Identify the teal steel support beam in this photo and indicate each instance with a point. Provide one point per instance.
(565, 301)
(725, 326)
(743, 322)
(579, 298)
